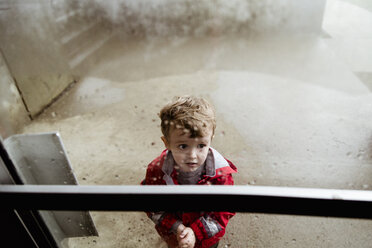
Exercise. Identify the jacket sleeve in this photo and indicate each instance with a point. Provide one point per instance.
(210, 227)
(165, 222)
(166, 225)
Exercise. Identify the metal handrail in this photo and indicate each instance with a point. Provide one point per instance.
(239, 198)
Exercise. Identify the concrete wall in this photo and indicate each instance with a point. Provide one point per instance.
(206, 17)
(46, 43)
(32, 51)
(43, 42)
(13, 114)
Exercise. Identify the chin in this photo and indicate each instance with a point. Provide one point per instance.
(188, 168)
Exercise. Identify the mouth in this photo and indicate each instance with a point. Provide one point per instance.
(192, 165)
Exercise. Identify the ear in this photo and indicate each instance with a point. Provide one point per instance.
(166, 144)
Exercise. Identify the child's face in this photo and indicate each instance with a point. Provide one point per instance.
(188, 153)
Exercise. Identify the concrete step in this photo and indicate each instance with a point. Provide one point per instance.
(71, 24)
(79, 35)
(75, 33)
(80, 57)
(86, 43)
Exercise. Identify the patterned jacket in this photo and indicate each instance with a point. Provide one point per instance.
(209, 227)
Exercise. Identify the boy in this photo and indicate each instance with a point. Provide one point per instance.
(188, 125)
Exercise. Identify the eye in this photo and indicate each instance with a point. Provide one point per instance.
(182, 146)
(201, 145)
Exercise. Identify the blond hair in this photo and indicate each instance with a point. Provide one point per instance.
(194, 115)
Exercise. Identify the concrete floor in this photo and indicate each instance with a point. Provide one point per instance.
(291, 111)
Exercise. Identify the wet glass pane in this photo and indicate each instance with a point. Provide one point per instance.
(290, 80)
(245, 230)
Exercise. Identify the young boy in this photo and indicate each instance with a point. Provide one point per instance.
(188, 124)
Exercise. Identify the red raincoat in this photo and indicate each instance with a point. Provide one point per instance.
(209, 227)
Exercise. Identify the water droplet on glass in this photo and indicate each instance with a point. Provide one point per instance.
(336, 197)
(252, 182)
(360, 156)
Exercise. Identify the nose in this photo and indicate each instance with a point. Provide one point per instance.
(192, 153)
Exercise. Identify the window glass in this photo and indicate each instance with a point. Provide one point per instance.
(290, 81)
(134, 229)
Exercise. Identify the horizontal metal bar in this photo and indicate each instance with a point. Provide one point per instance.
(257, 199)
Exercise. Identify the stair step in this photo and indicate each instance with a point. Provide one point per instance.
(85, 39)
(65, 17)
(75, 33)
(88, 49)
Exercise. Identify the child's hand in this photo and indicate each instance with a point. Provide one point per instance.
(185, 237)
